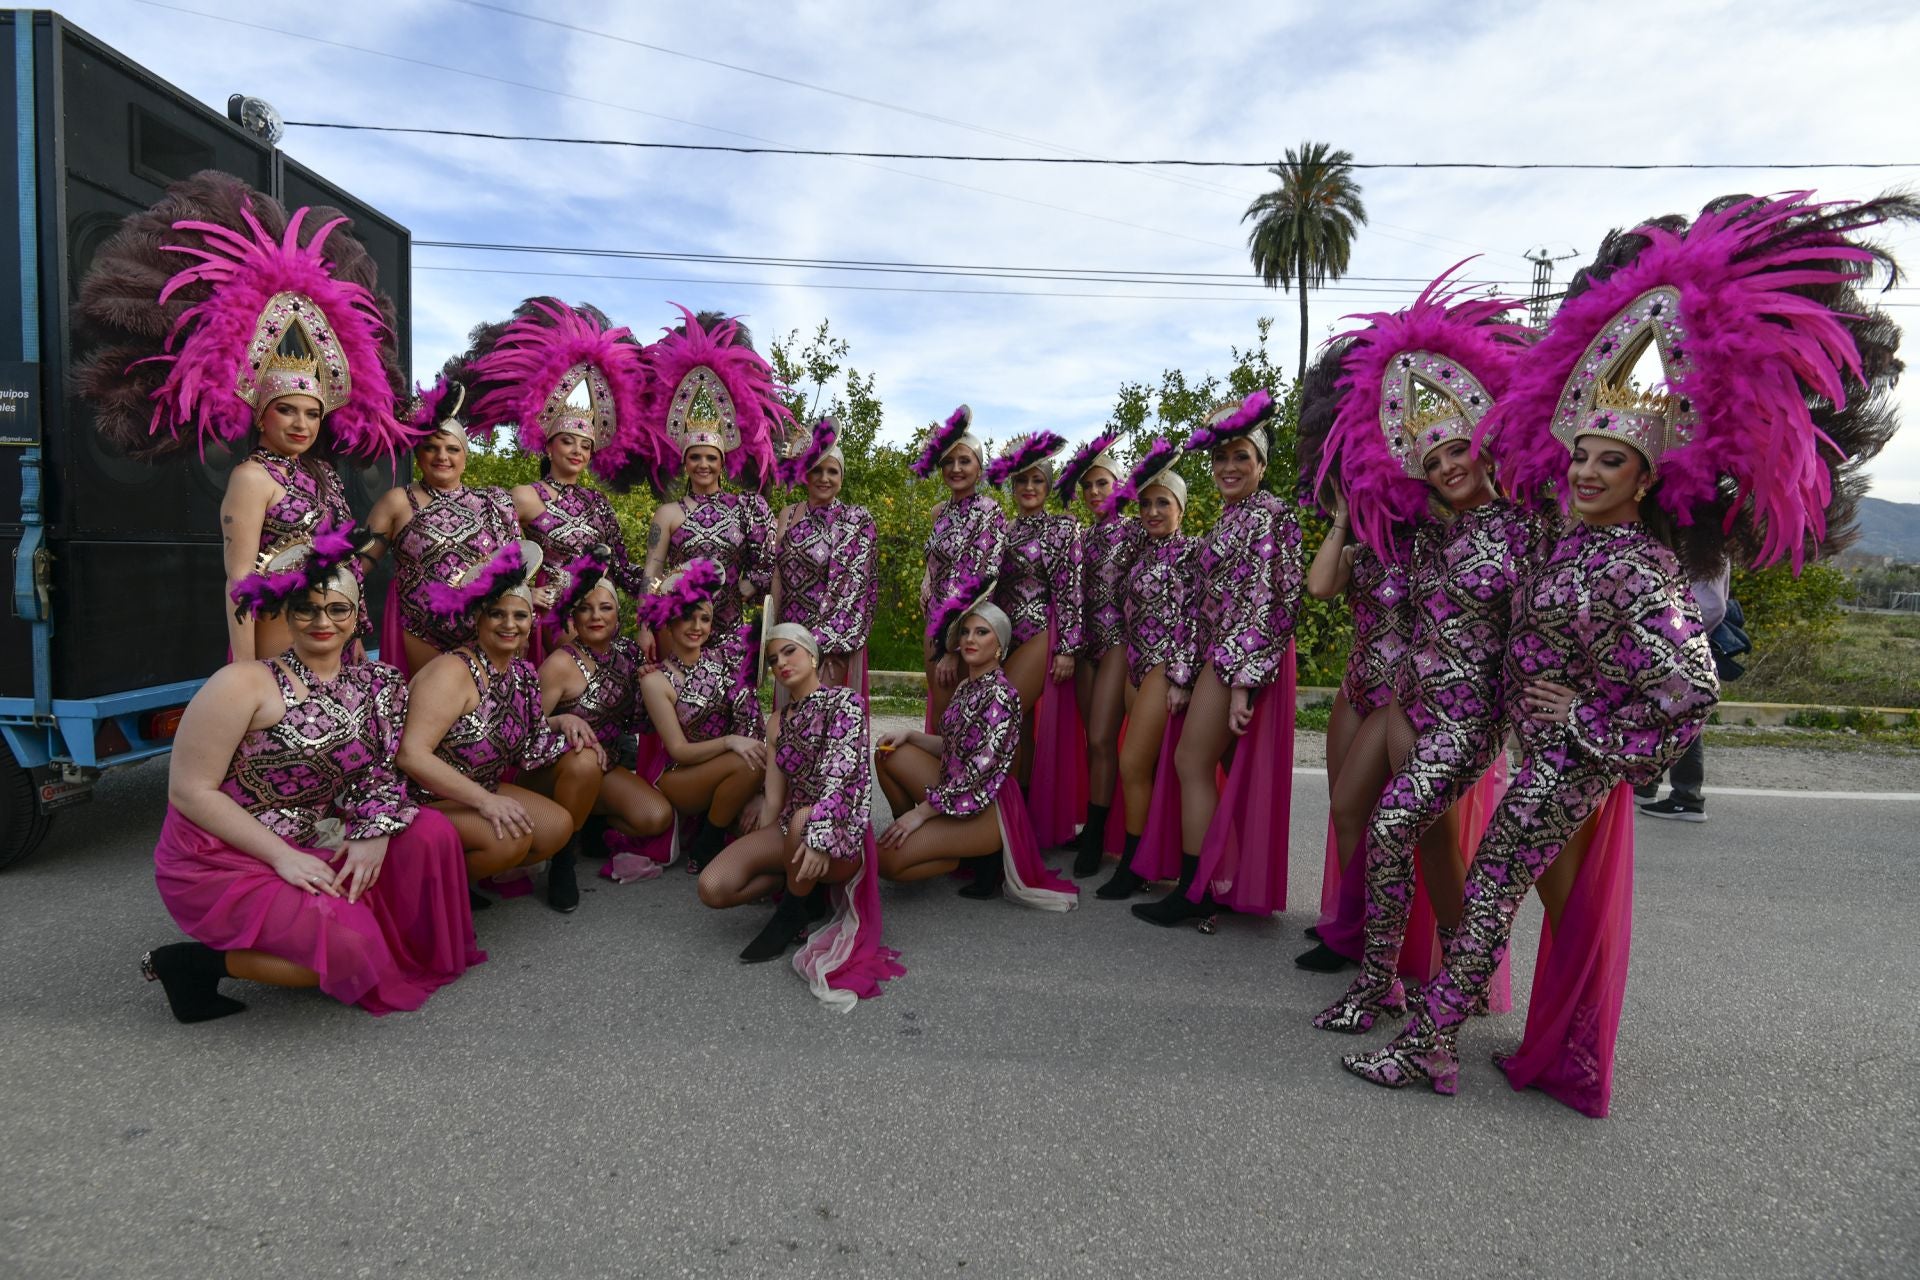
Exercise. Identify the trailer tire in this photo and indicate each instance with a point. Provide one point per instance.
(22, 825)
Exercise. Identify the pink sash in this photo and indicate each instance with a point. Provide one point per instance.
(843, 961)
(1243, 861)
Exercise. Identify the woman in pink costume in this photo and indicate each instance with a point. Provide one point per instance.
(1385, 403)
(1762, 369)
(595, 676)
(969, 534)
(434, 528)
(1108, 548)
(953, 794)
(707, 718)
(1235, 683)
(826, 562)
(717, 406)
(517, 784)
(1157, 592)
(815, 837)
(290, 850)
(1038, 588)
(272, 341)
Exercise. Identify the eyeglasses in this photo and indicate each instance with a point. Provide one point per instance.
(307, 611)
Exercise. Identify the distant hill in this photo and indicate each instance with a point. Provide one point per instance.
(1889, 529)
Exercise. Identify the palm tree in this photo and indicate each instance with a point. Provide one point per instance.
(1303, 229)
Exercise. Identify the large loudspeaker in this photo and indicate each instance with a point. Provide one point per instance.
(137, 578)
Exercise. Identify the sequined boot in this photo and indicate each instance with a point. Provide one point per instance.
(1447, 934)
(1367, 999)
(1421, 1052)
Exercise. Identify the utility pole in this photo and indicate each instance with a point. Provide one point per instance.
(1537, 310)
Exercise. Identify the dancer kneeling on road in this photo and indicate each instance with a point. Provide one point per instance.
(708, 720)
(815, 836)
(970, 808)
(290, 850)
(476, 714)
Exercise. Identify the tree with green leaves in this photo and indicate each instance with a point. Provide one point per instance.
(1303, 229)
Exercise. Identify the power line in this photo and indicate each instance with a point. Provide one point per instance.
(1505, 166)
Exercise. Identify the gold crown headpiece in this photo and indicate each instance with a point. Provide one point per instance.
(1600, 398)
(1426, 401)
(702, 413)
(293, 352)
(582, 403)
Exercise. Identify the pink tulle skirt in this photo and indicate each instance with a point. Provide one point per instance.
(1057, 785)
(844, 962)
(1158, 857)
(1029, 881)
(1580, 977)
(393, 635)
(1243, 861)
(408, 936)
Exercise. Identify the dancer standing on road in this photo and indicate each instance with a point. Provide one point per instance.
(952, 794)
(969, 535)
(716, 404)
(1752, 333)
(1235, 682)
(435, 528)
(272, 341)
(1108, 548)
(826, 563)
(1038, 588)
(1157, 593)
(290, 850)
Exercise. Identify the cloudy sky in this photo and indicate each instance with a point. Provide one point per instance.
(1621, 82)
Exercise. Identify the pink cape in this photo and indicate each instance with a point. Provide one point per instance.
(1057, 787)
(1580, 976)
(408, 936)
(1158, 857)
(1243, 861)
(1028, 881)
(843, 961)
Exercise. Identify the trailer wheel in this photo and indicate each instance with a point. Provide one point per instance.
(22, 825)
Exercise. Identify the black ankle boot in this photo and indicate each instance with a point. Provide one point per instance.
(563, 881)
(788, 923)
(1123, 883)
(1322, 959)
(476, 900)
(706, 845)
(593, 838)
(818, 908)
(1093, 838)
(987, 879)
(190, 972)
(1174, 908)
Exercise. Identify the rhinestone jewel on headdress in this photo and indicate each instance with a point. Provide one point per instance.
(1427, 400)
(582, 403)
(1600, 396)
(702, 412)
(294, 352)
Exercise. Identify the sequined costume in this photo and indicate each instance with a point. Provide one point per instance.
(575, 519)
(735, 531)
(454, 528)
(1156, 595)
(828, 561)
(822, 754)
(1382, 629)
(311, 496)
(607, 701)
(709, 700)
(1246, 596)
(321, 774)
(1108, 549)
(969, 535)
(1039, 580)
(1453, 688)
(979, 735)
(505, 729)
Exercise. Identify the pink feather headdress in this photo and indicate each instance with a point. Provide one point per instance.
(1445, 345)
(1095, 452)
(971, 591)
(676, 595)
(267, 310)
(1745, 355)
(713, 388)
(823, 441)
(1152, 468)
(556, 368)
(508, 570)
(957, 430)
(297, 569)
(1231, 421)
(578, 577)
(1023, 453)
(436, 406)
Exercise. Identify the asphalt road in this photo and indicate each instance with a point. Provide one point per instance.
(1080, 1095)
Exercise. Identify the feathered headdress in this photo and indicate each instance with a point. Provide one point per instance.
(1319, 403)
(821, 444)
(271, 308)
(1156, 466)
(676, 595)
(1024, 453)
(437, 407)
(1230, 421)
(715, 389)
(509, 571)
(944, 439)
(1756, 370)
(579, 576)
(553, 368)
(1096, 452)
(972, 595)
(1411, 380)
(293, 569)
